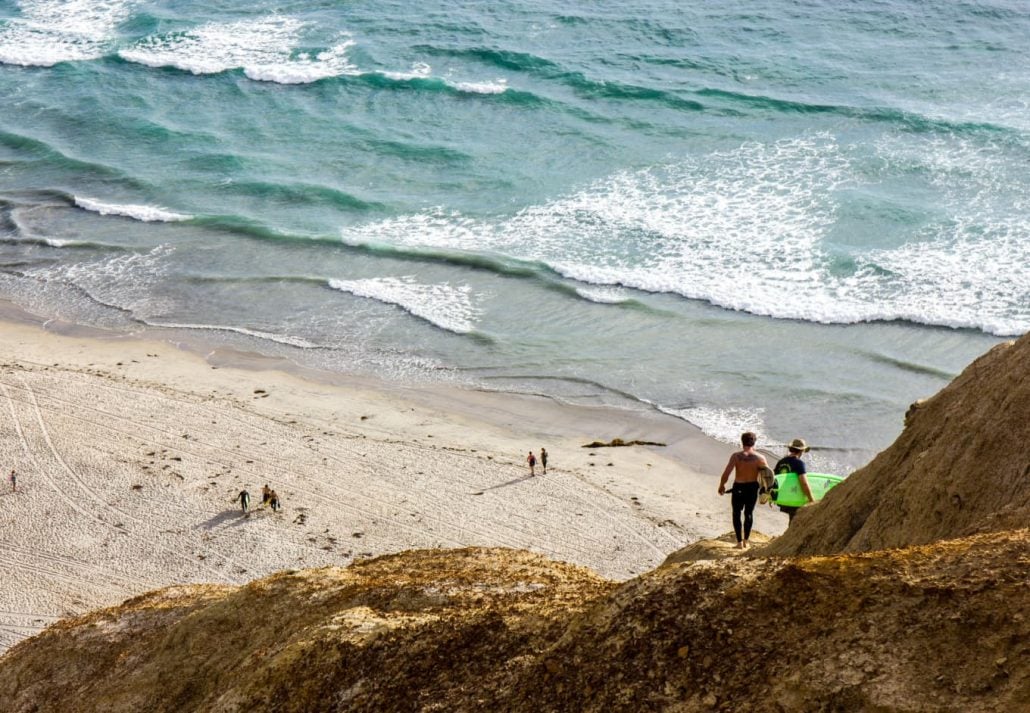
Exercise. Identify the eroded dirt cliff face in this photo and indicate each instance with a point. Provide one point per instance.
(402, 632)
(961, 465)
(944, 627)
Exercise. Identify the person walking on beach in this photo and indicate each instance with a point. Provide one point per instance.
(792, 463)
(13, 477)
(266, 495)
(244, 498)
(531, 459)
(273, 500)
(744, 464)
(543, 460)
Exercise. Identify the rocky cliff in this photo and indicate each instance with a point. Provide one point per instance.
(943, 627)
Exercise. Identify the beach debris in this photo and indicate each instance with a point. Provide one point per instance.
(618, 443)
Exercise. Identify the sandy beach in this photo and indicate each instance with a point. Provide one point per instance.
(129, 452)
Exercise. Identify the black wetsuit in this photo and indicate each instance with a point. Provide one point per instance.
(743, 497)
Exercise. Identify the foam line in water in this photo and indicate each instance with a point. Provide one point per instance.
(61, 243)
(603, 295)
(444, 305)
(749, 230)
(299, 342)
(53, 31)
(144, 213)
(264, 48)
(723, 424)
(121, 281)
(497, 86)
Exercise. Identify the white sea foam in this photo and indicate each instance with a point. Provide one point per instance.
(724, 424)
(747, 230)
(59, 243)
(144, 213)
(444, 305)
(264, 48)
(498, 86)
(603, 295)
(52, 31)
(257, 333)
(421, 70)
(122, 281)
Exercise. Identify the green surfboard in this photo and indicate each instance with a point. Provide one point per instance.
(786, 490)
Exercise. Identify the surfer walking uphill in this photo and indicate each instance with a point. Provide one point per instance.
(744, 464)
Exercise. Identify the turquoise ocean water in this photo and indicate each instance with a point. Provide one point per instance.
(795, 217)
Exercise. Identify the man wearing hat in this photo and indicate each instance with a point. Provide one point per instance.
(792, 463)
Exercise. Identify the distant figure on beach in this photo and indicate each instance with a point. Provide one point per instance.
(531, 459)
(543, 460)
(244, 498)
(266, 495)
(792, 463)
(273, 500)
(744, 493)
(13, 477)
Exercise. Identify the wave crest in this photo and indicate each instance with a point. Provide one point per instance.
(264, 49)
(143, 213)
(444, 305)
(53, 31)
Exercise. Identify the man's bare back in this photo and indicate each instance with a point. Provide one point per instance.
(746, 466)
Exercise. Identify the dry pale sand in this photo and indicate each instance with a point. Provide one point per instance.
(129, 453)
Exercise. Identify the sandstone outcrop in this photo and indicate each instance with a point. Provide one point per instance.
(942, 627)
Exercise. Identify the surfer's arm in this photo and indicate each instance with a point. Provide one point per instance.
(805, 487)
(726, 473)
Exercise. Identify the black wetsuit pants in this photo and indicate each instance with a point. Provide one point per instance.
(744, 497)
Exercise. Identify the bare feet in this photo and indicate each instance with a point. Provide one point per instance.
(746, 544)
(740, 545)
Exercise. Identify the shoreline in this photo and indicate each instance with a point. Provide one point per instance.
(686, 445)
(129, 451)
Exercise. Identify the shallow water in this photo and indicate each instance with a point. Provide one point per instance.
(793, 217)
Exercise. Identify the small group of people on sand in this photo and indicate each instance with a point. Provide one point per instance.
(531, 460)
(747, 465)
(269, 498)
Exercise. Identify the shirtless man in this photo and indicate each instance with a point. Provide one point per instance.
(744, 492)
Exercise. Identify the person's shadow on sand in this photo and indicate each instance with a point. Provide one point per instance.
(232, 516)
(504, 485)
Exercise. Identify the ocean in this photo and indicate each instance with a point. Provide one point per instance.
(795, 217)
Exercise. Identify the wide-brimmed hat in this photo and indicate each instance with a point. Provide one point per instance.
(798, 444)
